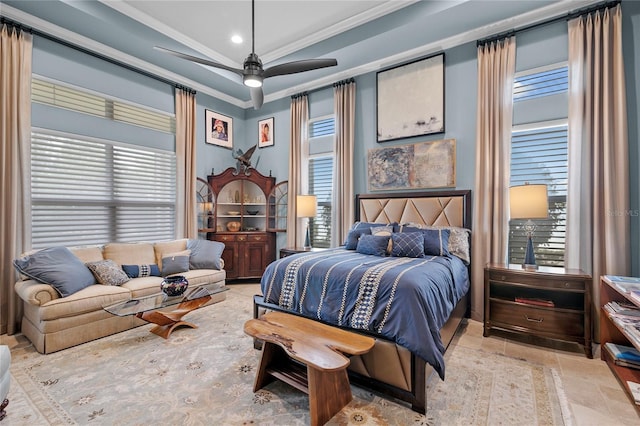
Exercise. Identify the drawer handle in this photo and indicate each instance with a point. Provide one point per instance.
(567, 284)
(533, 319)
(502, 278)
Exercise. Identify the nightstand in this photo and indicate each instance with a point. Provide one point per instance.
(553, 303)
(288, 251)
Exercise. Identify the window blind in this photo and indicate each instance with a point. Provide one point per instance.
(534, 84)
(321, 185)
(88, 191)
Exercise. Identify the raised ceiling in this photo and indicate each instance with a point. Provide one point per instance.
(363, 35)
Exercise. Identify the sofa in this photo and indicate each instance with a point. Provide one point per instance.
(63, 305)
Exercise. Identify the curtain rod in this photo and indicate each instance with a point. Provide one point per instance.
(567, 17)
(336, 84)
(18, 25)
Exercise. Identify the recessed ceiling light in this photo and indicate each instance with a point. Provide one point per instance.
(236, 39)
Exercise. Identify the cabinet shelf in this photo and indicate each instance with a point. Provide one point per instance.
(612, 332)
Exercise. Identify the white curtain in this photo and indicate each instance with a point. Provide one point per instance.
(299, 115)
(496, 69)
(344, 106)
(597, 235)
(15, 157)
(186, 209)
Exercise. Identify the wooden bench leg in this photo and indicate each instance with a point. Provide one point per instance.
(270, 353)
(329, 392)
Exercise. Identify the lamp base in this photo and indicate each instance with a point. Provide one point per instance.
(529, 257)
(307, 240)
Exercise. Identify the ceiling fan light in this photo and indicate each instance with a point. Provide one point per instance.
(252, 80)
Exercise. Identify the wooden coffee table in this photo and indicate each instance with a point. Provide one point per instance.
(148, 308)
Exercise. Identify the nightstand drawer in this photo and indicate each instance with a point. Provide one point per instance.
(548, 321)
(560, 283)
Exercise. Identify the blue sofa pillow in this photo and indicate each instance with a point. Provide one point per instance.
(205, 254)
(58, 267)
(135, 271)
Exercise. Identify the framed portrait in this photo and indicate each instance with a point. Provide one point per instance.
(266, 132)
(410, 99)
(218, 129)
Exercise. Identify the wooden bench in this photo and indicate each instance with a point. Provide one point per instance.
(307, 355)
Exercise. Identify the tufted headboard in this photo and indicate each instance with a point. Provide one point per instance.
(445, 208)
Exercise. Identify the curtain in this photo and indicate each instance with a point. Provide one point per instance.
(299, 117)
(15, 150)
(344, 106)
(186, 208)
(597, 234)
(496, 69)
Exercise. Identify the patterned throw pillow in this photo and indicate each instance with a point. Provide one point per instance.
(174, 263)
(372, 244)
(135, 271)
(407, 244)
(459, 238)
(436, 242)
(107, 272)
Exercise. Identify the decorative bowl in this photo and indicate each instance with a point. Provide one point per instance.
(174, 286)
(234, 213)
(253, 212)
(233, 226)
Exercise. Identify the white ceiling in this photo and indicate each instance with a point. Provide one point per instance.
(363, 35)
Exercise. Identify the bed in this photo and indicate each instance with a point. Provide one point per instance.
(411, 305)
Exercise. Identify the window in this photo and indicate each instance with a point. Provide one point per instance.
(541, 82)
(539, 155)
(319, 155)
(88, 191)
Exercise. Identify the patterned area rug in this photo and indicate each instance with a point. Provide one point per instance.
(204, 376)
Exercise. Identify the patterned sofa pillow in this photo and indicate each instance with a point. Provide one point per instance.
(135, 271)
(107, 272)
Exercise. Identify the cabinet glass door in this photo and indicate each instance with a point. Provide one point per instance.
(241, 207)
(205, 203)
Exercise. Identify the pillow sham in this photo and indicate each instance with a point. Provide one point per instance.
(58, 267)
(436, 242)
(407, 244)
(107, 272)
(205, 254)
(136, 271)
(174, 263)
(372, 244)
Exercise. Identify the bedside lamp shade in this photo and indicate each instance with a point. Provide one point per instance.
(306, 206)
(529, 202)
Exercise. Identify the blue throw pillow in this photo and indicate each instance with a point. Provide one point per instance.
(373, 244)
(135, 271)
(205, 254)
(436, 242)
(175, 263)
(407, 244)
(353, 236)
(58, 267)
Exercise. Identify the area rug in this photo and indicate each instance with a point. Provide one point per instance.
(204, 376)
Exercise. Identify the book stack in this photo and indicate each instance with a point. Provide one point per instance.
(635, 391)
(624, 284)
(624, 309)
(623, 355)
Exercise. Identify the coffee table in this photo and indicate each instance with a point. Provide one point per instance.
(148, 308)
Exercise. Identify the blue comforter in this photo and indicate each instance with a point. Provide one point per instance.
(406, 300)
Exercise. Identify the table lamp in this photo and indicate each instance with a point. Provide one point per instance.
(306, 208)
(529, 202)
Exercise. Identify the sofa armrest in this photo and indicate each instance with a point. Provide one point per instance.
(35, 293)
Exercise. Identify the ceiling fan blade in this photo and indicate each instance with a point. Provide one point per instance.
(257, 97)
(198, 60)
(299, 66)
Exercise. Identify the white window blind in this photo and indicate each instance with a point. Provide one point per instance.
(81, 100)
(541, 82)
(320, 178)
(90, 191)
(539, 156)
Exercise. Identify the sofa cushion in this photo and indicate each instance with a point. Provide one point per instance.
(87, 254)
(137, 271)
(89, 299)
(58, 267)
(205, 254)
(174, 263)
(130, 253)
(165, 247)
(143, 286)
(107, 272)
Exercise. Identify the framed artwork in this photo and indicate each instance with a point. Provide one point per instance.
(410, 99)
(265, 132)
(218, 129)
(412, 166)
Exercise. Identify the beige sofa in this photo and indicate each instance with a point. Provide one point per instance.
(52, 322)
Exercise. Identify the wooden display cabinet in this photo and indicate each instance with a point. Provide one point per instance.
(611, 332)
(241, 221)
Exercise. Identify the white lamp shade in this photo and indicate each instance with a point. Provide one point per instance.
(529, 201)
(306, 205)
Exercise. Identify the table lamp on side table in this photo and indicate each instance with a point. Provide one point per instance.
(306, 206)
(529, 202)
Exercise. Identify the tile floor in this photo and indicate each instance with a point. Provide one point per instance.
(593, 394)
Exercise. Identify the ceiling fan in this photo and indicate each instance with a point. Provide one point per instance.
(252, 73)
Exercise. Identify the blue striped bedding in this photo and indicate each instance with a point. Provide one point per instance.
(406, 300)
